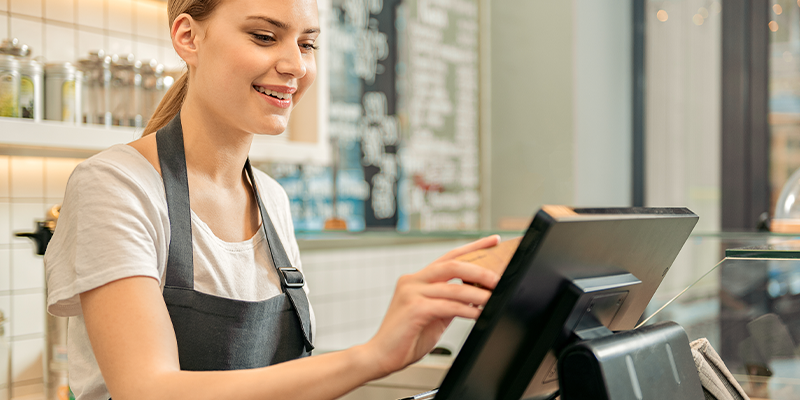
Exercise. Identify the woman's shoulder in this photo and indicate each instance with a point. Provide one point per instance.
(119, 164)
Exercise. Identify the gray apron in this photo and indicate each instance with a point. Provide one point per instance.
(216, 333)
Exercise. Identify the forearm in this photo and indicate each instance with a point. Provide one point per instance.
(326, 376)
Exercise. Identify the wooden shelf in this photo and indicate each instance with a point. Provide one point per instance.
(55, 139)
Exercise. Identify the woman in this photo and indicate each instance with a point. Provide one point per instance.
(168, 301)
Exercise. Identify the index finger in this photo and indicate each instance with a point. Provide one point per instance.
(484, 243)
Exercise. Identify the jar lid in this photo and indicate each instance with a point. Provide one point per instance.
(97, 59)
(151, 67)
(60, 68)
(10, 62)
(15, 48)
(125, 60)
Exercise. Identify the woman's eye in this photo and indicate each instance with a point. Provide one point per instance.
(309, 46)
(263, 38)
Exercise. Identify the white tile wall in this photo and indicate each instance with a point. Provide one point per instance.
(26, 7)
(351, 289)
(66, 30)
(60, 10)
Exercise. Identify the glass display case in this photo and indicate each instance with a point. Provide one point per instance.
(744, 296)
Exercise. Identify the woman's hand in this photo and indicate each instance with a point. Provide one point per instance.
(425, 303)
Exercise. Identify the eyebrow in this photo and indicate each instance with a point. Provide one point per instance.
(279, 24)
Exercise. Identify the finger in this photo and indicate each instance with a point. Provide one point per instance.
(466, 294)
(484, 243)
(445, 309)
(467, 272)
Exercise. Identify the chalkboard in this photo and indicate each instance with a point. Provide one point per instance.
(403, 119)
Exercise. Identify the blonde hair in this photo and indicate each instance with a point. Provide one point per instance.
(173, 100)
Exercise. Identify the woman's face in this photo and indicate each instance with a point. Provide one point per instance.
(254, 61)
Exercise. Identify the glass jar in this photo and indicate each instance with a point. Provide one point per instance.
(96, 86)
(63, 92)
(9, 86)
(123, 90)
(150, 86)
(31, 84)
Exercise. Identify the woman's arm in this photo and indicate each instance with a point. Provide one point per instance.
(134, 343)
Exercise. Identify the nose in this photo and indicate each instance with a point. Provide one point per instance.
(291, 61)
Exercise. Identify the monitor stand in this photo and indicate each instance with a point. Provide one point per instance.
(653, 362)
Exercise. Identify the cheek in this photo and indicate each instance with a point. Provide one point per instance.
(306, 81)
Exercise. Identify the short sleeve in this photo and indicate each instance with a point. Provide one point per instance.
(110, 227)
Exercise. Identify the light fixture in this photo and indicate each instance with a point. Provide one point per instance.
(662, 15)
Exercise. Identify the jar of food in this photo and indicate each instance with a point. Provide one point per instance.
(31, 84)
(96, 96)
(149, 87)
(31, 89)
(123, 90)
(63, 92)
(9, 86)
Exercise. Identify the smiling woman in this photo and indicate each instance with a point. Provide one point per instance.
(177, 262)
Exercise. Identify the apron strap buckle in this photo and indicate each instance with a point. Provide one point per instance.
(292, 277)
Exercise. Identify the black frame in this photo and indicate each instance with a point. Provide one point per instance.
(745, 130)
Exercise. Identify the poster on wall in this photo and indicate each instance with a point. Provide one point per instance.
(403, 120)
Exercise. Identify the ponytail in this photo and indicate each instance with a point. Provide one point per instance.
(173, 101)
(169, 106)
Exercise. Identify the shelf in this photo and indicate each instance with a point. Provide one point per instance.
(55, 139)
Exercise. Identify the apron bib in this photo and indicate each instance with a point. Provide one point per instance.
(216, 333)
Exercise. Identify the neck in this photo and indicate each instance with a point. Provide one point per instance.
(214, 150)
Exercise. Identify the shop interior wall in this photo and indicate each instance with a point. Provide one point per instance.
(561, 106)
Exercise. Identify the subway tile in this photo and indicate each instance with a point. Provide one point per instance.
(57, 172)
(27, 314)
(28, 32)
(27, 269)
(26, 360)
(28, 391)
(59, 43)
(4, 160)
(27, 177)
(3, 21)
(91, 13)
(120, 16)
(5, 308)
(5, 223)
(31, 8)
(5, 271)
(147, 19)
(60, 10)
(89, 41)
(147, 51)
(163, 27)
(119, 45)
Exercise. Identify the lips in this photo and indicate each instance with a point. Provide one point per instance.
(278, 96)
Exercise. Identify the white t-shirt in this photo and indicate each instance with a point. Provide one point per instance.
(114, 224)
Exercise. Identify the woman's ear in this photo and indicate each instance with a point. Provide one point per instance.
(184, 38)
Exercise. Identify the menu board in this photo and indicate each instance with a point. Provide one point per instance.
(403, 120)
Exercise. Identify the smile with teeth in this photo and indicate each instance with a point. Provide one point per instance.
(277, 95)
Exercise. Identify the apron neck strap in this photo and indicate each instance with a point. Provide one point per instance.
(180, 260)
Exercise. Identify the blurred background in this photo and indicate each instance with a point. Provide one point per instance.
(435, 122)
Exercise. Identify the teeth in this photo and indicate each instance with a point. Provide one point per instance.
(273, 93)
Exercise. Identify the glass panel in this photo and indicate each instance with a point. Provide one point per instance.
(748, 309)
